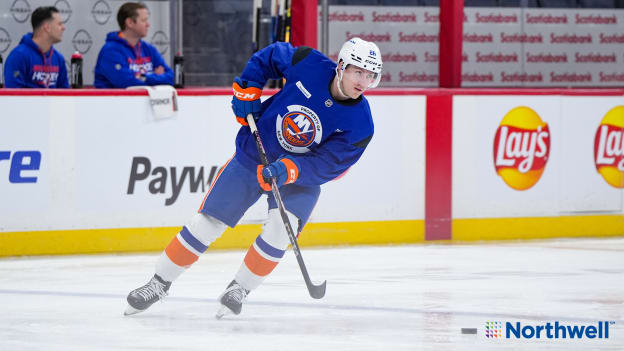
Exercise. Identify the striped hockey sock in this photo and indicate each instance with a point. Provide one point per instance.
(259, 262)
(266, 252)
(186, 247)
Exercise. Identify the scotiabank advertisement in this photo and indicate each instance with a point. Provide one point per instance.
(513, 47)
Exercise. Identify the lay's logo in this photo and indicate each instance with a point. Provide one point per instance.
(609, 147)
(521, 148)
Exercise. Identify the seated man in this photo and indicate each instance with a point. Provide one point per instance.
(126, 60)
(34, 63)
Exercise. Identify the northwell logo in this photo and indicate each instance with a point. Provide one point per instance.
(550, 330)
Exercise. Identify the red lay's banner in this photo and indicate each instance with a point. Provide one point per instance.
(521, 148)
(609, 147)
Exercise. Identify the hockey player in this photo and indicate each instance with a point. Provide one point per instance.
(314, 129)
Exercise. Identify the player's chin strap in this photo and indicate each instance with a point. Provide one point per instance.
(340, 73)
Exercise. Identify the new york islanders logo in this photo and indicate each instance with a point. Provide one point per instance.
(298, 129)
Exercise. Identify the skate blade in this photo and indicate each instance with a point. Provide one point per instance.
(223, 311)
(131, 310)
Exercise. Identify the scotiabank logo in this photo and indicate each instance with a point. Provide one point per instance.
(521, 148)
(609, 147)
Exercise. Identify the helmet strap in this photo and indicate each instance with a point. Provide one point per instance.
(339, 74)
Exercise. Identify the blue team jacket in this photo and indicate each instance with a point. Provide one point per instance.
(325, 136)
(120, 65)
(28, 67)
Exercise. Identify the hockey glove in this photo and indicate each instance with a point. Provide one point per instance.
(246, 99)
(285, 171)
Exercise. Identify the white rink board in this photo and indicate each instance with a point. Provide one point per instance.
(388, 182)
(569, 183)
(88, 144)
(582, 187)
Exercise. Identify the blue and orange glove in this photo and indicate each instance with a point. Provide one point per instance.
(246, 99)
(285, 171)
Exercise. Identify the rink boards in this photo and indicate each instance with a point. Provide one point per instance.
(95, 171)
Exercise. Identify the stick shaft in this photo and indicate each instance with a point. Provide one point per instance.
(316, 291)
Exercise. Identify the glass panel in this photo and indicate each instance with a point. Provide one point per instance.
(505, 44)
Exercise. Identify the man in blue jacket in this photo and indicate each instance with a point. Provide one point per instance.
(34, 63)
(315, 128)
(126, 60)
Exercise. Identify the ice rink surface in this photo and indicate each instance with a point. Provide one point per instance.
(415, 297)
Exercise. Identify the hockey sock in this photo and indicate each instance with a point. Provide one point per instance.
(266, 252)
(186, 247)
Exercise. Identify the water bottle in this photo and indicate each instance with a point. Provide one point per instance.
(178, 71)
(1, 72)
(76, 70)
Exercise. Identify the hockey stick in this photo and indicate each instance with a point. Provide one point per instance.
(316, 291)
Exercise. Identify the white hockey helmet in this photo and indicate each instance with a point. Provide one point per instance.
(363, 54)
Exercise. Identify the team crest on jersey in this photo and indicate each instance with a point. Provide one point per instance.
(298, 129)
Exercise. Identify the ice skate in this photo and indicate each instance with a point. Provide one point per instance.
(232, 300)
(142, 298)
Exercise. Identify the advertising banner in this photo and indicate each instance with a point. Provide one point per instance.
(592, 172)
(533, 156)
(502, 47)
(89, 162)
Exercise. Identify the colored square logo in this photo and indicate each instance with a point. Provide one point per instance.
(493, 330)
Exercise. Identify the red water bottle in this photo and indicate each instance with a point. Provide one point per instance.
(76, 70)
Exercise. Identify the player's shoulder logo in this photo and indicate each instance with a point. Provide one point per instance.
(298, 129)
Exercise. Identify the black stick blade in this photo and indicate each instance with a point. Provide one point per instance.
(317, 291)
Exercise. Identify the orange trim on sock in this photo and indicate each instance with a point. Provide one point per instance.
(257, 264)
(179, 254)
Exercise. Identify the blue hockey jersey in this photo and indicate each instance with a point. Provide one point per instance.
(120, 65)
(28, 67)
(324, 135)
